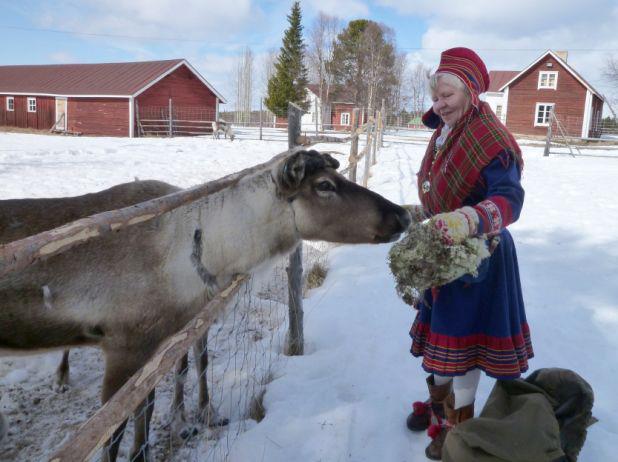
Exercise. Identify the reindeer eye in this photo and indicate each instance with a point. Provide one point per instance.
(325, 186)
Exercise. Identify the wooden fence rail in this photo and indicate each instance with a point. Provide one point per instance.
(99, 428)
(18, 255)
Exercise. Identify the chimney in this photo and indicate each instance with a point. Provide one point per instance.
(563, 55)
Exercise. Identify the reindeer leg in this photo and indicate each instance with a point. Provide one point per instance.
(61, 382)
(120, 365)
(4, 427)
(142, 417)
(206, 413)
(179, 420)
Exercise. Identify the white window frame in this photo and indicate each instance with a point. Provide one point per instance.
(31, 107)
(346, 116)
(548, 87)
(536, 114)
(10, 103)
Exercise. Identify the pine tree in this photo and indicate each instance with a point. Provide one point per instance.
(290, 79)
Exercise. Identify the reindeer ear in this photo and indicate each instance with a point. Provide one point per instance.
(330, 161)
(293, 170)
(302, 164)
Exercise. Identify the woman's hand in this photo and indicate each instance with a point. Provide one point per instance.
(457, 225)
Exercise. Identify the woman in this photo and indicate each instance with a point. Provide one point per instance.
(469, 184)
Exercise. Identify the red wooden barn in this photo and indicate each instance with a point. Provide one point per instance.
(110, 99)
(550, 83)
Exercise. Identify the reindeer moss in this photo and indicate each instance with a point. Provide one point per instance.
(421, 261)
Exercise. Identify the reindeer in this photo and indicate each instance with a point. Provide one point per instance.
(221, 126)
(125, 292)
(20, 218)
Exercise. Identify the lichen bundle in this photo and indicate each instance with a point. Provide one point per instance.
(420, 261)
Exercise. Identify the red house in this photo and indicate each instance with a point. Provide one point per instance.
(547, 84)
(111, 99)
(338, 108)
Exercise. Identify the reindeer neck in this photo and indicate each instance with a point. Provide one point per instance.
(243, 226)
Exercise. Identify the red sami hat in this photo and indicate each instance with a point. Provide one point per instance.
(469, 68)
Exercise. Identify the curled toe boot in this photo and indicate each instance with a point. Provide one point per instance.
(438, 432)
(431, 411)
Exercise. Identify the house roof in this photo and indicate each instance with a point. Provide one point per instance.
(101, 79)
(562, 63)
(498, 78)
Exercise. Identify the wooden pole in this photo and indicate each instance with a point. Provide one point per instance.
(382, 122)
(549, 133)
(100, 427)
(370, 126)
(317, 117)
(353, 159)
(295, 342)
(376, 135)
(260, 119)
(137, 121)
(169, 112)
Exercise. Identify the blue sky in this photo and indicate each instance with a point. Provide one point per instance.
(508, 35)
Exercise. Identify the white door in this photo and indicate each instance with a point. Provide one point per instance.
(61, 114)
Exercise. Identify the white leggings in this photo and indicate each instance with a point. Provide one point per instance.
(464, 386)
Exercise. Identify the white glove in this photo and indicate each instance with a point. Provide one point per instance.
(457, 225)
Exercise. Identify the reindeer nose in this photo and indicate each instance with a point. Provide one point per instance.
(404, 219)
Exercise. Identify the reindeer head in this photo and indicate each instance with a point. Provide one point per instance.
(328, 207)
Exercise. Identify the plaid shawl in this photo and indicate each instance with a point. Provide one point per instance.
(453, 170)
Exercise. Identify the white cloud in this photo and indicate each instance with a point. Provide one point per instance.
(62, 57)
(509, 35)
(347, 9)
(217, 21)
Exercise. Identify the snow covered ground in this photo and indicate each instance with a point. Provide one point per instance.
(348, 397)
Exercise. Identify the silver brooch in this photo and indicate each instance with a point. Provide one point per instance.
(426, 186)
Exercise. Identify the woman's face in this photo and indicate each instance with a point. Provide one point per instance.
(450, 102)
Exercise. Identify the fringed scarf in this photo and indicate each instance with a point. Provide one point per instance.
(448, 174)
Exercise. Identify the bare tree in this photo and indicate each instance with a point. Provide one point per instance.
(418, 88)
(399, 96)
(244, 81)
(321, 39)
(610, 72)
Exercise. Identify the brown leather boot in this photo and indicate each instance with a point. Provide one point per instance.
(438, 433)
(421, 417)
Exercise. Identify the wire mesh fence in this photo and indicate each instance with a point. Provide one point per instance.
(194, 412)
(244, 355)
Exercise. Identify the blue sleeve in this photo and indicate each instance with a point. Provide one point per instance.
(505, 196)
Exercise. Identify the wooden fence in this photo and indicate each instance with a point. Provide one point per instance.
(18, 255)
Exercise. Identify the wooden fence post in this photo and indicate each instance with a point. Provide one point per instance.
(376, 137)
(549, 133)
(169, 113)
(137, 120)
(317, 118)
(295, 343)
(353, 159)
(382, 122)
(260, 119)
(370, 139)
